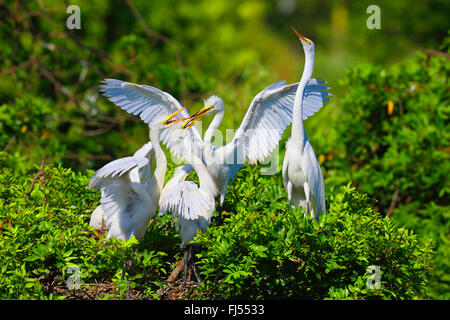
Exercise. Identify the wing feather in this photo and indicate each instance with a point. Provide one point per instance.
(314, 177)
(152, 104)
(270, 113)
(116, 168)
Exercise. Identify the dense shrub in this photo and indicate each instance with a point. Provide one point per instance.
(263, 249)
(393, 144)
(45, 231)
(267, 250)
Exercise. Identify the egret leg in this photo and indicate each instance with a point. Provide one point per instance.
(194, 267)
(289, 190)
(186, 262)
(189, 264)
(219, 220)
(306, 188)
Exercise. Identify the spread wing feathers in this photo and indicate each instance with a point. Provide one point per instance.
(268, 116)
(314, 97)
(186, 200)
(143, 174)
(150, 104)
(115, 202)
(146, 151)
(179, 175)
(116, 168)
(314, 177)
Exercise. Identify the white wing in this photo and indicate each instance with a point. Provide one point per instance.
(314, 177)
(179, 175)
(126, 205)
(185, 200)
(144, 151)
(143, 174)
(314, 97)
(270, 113)
(116, 168)
(151, 104)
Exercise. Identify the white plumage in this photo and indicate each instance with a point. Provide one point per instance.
(135, 169)
(128, 204)
(302, 176)
(192, 205)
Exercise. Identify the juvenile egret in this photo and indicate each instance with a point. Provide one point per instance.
(260, 131)
(191, 205)
(128, 205)
(138, 169)
(302, 176)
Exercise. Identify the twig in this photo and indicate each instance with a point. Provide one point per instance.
(88, 156)
(393, 203)
(436, 53)
(15, 68)
(41, 174)
(51, 77)
(176, 271)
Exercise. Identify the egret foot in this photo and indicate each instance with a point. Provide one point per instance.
(189, 264)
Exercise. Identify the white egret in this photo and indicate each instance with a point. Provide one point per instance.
(260, 131)
(128, 206)
(302, 176)
(138, 168)
(191, 205)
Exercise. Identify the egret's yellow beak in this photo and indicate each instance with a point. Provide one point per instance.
(301, 37)
(196, 116)
(169, 120)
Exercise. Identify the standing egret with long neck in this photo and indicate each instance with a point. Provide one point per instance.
(302, 176)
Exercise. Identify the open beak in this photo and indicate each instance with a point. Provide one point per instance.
(196, 116)
(300, 36)
(170, 120)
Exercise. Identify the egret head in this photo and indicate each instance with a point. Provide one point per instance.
(215, 102)
(212, 104)
(308, 45)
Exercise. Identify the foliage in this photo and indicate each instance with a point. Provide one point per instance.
(45, 231)
(51, 110)
(393, 144)
(266, 250)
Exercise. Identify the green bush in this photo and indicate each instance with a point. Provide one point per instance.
(393, 144)
(45, 231)
(267, 250)
(263, 250)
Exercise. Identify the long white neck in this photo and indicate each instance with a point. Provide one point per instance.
(214, 125)
(204, 178)
(161, 160)
(298, 131)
